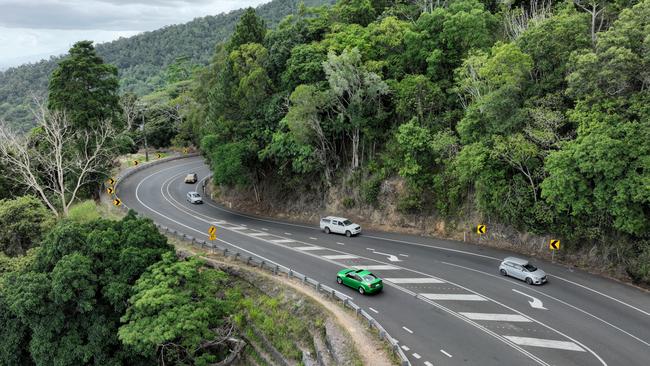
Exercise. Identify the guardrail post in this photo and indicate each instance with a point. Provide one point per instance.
(275, 271)
(248, 261)
(382, 334)
(405, 363)
(225, 252)
(290, 274)
(304, 279)
(333, 294)
(262, 265)
(317, 286)
(358, 311)
(345, 302)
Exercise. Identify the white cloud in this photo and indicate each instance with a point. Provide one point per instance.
(31, 30)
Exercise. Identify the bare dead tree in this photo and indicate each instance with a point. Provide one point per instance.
(129, 104)
(596, 9)
(64, 161)
(516, 21)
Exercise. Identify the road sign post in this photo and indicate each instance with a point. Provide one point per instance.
(553, 245)
(212, 231)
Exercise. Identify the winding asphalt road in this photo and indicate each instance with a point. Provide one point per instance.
(466, 314)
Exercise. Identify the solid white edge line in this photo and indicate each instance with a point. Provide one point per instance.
(556, 299)
(449, 311)
(439, 306)
(340, 256)
(446, 353)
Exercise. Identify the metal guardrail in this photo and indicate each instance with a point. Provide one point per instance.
(275, 268)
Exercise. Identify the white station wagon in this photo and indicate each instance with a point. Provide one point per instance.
(339, 225)
(523, 270)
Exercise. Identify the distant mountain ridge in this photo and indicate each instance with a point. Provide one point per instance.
(140, 58)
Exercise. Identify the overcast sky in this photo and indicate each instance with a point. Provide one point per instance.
(31, 30)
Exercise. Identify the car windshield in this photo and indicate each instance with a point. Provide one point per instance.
(347, 222)
(369, 278)
(194, 194)
(530, 268)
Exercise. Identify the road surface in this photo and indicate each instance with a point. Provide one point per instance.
(466, 314)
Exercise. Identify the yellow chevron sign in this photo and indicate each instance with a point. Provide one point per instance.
(481, 229)
(117, 202)
(110, 190)
(110, 181)
(554, 244)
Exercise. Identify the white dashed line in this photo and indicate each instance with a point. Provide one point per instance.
(413, 280)
(339, 243)
(545, 343)
(311, 247)
(265, 229)
(312, 238)
(403, 255)
(341, 256)
(259, 234)
(236, 228)
(445, 353)
(379, 267)
(459, 297)
(427, 363)
(287, 234)
(373, 310)
(417, 356)
(405, 348)
(408, 330)
(497, 317)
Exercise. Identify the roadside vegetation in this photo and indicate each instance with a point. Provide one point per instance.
(528, 116)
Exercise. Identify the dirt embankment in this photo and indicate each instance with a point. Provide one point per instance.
(386, 216)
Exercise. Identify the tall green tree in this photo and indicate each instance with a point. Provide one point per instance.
(177, 313)
(85, 88)
(249, 29)
(23, 222)
(70, 299)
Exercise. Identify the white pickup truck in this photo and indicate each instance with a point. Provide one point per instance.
(339, 225)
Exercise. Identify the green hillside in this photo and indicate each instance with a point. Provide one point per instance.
(140, 59)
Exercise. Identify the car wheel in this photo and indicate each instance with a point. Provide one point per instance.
(503, 272)
(348, 233)
(327, 230)
(361, 290)
(529, 281)
(339, 280)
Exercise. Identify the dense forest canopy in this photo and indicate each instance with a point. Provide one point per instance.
(141, 59)
(533, 114)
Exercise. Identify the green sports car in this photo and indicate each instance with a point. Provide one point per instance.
(360, 279)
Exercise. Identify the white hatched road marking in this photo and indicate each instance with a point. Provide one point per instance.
(259, 234)
(459, 297)
(373, 310)
(427, 363)
(497, 317)
(341, 256)
(403, 255)
(417, 356)
(190, 228)
(279, 241)
(312, 238)
(414, 280)
(408, 330)
(546, 343)
(310, 247)
(405, 348)
(287, 233)
(378, 267)
(339, 243)
(236, 228)
(445, 353)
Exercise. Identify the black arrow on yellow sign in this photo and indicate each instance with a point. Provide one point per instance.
(111, 181)
(110, 190)
(117, 202)
(481, 229)
(135, 163)
(159, 155)
(554, 244)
